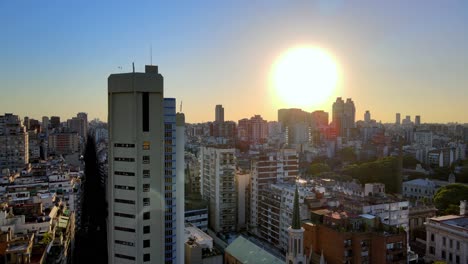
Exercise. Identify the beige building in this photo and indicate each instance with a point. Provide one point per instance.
(447, 238)
(218, 171)
(143, 191)
(14, 143)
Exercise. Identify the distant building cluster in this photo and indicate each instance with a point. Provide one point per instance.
(305, 188)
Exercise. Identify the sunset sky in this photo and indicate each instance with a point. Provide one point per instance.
(394, 56)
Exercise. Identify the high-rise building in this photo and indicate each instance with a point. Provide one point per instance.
(269, 168)
(14, 143)
(26, 123)
(55, 121)
(219, 114)
(142, 188)
(292, 120)
(398, 119)
(417, 120)
(344, 116)
(84, 128)
(319, 118)
(63, 143)
(254, 130)
(367, 117)
(218, 168)
(45, 124)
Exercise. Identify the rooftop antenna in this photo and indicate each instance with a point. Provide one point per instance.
(133, 66)
(180, 107)
(151, 54)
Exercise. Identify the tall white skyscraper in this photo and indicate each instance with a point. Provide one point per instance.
(142, 181)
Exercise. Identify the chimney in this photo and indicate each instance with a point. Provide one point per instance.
(463, 207)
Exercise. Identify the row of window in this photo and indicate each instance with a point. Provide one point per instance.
(146, 145)
(146, 243)
(146, 257)
(123, 145)
(124, 173)
(146, 229)
(124, 159)
(146, 173)
(146, 201)
(124, 215)
(123, 187)
(444, 242)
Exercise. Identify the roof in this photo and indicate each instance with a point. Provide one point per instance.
(421, 182)
(248, 253)
(459, 221)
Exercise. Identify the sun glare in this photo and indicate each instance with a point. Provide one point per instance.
(305, 77)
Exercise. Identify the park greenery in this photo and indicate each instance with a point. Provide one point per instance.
(447, 198)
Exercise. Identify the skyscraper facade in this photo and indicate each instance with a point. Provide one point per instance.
(141, 187)
(417, 120)
(367, 117)
(344, 116)
(218, 169)
(398, 119)
(14, 143)
(219, 114)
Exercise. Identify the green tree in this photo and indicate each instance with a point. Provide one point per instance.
(447, 198)
(410, 161)
(318, 168)
(347, 154)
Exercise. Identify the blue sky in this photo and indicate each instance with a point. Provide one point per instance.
(396, 56)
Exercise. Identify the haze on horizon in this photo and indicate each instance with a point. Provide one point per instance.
(394, 56)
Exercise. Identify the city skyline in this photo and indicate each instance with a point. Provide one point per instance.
(392, 58)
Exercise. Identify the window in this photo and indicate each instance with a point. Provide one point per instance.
(146, 257)
(444, 240)
(146, 201)
(125, 243)
(124, 256)
(432, 237)
(450, 257)
(124, 201)
(145, 111)
(457, 259)
(120, 145)
(146, 215)
(146, 187)
(444, 256)
(126, 229)
(146, 145)
(124, 215)
(123, 187)
(431, 250)
(146, 173)
(146, 159)
(146, 243)
(124, 159)
(124, 173)
(146, 229)
(450, 243)
(458, 245)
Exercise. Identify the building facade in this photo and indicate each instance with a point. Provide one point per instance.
(217, 170)
(14, 143)
(142, 185)
(447, 238)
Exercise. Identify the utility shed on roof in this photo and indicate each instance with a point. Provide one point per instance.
(243, 251)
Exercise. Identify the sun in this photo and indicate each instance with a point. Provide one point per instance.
(305, 77)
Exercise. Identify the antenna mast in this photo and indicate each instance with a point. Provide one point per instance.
(180, 107)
